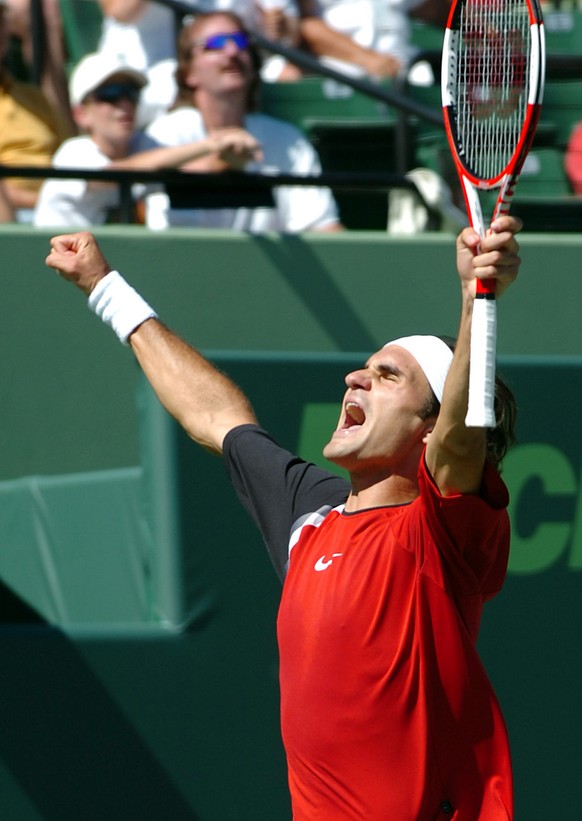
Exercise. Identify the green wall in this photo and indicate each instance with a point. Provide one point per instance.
(138, 666)
(67, 380)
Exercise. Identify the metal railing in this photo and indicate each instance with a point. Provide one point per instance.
(210, 190)
(233, 185)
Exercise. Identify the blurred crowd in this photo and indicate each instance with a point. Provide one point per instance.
(176, 86)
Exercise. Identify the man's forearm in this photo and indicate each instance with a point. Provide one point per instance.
(455, 453)
(322, 40)
(205, 402)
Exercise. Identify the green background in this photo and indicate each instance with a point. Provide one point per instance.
(138, 666)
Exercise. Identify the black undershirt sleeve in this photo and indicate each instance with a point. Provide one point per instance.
(276, 487)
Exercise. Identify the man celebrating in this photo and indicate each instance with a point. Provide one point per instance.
(386, 710)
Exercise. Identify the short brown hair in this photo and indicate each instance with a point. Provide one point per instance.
(184, 55)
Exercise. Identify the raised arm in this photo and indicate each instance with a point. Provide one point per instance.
(204, 401)
(456, 454)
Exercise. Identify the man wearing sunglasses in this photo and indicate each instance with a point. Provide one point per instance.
(218, 78)
(104, 97)
(143, 34)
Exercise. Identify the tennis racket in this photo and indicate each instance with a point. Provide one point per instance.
(492, 83)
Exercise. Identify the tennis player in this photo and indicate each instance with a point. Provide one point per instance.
(387, 712)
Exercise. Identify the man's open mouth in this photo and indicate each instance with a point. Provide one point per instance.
(354, 416)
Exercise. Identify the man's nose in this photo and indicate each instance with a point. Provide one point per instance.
(358, 379)
(230, 47)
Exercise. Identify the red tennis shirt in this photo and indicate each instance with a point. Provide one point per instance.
(387, 713)
(386, 710)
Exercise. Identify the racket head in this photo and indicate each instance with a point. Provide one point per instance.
(492, 82)
(492, 86)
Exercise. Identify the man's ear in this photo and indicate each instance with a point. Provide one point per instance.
(429, 427)
(190, 77)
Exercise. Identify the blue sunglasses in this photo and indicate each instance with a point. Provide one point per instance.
(218, 41)
(114, 92)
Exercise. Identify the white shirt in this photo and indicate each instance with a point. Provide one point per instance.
(71, 203)
(382, 25)
(285, 150)
(147, 44)
(142, 42)
(245, 9)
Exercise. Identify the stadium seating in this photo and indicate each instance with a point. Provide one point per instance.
(562, 107)
(361, 146)
(351, 132)
(321, 98)
(82, 21)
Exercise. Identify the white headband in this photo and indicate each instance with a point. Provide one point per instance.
(432, 354)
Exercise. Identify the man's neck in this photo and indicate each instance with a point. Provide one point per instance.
(219, 112)
(371, 491)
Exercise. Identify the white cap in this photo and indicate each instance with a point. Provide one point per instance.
(433, 355)
(94, 69)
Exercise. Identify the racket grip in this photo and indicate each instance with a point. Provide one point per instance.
(481, 404)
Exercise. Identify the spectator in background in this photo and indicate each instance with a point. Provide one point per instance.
(30, 129)
(573, 159)
(370, 35)
(142, 33)
(218, 76)
(104, 95)
(6, 212)
(53, 78)
(354, 36)
(277, 20)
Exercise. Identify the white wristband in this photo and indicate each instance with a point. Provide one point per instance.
(119, 305)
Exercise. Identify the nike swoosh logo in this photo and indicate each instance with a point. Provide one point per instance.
(321, 564)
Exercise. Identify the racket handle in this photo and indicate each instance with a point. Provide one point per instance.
(480, 409)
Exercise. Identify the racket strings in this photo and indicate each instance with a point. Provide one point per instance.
(492, 83)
